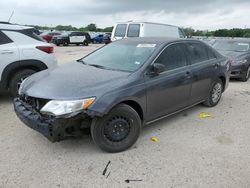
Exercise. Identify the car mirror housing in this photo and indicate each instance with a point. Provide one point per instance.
(158, 68)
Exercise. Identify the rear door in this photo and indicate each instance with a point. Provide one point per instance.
(204, 68)
(169, 91)
(9, 52)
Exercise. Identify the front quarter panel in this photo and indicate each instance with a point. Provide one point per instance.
(134, 91)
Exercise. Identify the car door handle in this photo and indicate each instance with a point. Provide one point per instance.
(7, 52)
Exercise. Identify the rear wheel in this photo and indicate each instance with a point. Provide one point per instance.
(118, 130)
(17, 79)
(246, 75)
(85, 43)
(215, 94)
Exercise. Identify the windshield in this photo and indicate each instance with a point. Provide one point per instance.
(231, 46)
(120, 30)
(123, 57)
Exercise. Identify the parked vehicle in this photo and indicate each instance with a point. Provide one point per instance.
(145, 29)
(120, 88)
(238, 50)
(98, 38)
(106, 38)
(22, 54)
(72, 38)
(47, 36)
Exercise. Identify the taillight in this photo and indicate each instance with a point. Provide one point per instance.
(47, 49)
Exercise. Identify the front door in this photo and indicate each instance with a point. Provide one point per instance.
(169, 91)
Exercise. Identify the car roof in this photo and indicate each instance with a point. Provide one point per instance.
(9, 26)
(154, 40)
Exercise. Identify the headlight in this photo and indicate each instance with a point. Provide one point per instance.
(59, 108)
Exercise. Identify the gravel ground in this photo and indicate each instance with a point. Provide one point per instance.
(190, 152)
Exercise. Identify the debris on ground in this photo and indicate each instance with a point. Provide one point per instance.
(205, 115)
(128, 181)
(154, 139)
(106, 168)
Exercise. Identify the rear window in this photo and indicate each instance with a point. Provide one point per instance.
(120, 30)
(133, 30)
(4, 39)
(31, 33)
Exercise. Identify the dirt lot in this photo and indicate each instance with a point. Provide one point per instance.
(190, 152)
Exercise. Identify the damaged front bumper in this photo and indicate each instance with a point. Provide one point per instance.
(55, 129)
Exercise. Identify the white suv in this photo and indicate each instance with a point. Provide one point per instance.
(22, 53)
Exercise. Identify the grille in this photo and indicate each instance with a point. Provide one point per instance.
(35, 103)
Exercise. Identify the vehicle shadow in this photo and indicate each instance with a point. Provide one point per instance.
(5, 98)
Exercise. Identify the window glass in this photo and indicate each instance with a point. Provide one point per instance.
(235, 46)
(197, 53)
(133, 30)
(210, 54)
(121, 56)
(173, 57)
(4, 39)
(181, 33)
(120, 30)
(31, 33)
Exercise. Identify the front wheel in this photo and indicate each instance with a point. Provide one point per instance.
(215, 94)
(17, 79)
(118, 130)
(246, 75)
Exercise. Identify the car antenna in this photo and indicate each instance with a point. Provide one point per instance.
(11, 16)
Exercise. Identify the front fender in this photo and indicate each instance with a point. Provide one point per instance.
(105, 103)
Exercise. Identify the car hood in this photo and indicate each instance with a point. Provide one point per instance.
(73, 81)
(232, 55)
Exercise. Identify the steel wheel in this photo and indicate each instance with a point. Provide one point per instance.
(117, 128)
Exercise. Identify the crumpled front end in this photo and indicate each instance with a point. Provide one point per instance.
(55, 129)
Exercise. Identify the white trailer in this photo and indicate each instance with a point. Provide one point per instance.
(145, 29)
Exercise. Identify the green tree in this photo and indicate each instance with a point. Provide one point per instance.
(92, 27)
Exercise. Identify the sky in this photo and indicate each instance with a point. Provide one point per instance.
(198, 14)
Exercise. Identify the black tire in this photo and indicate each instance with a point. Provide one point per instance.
(246, 75)
(85, 43)
(17, 79)
(118, 130)
(213, 98)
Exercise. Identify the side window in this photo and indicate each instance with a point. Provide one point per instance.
(210, 54)
(120, 30)
(197, 53)
(173, 57)
(133, 30)
(4, 39)
(181, 34)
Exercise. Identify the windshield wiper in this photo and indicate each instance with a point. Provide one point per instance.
(97, 66)
(80, 60)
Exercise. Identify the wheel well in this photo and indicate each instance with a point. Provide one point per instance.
(135, 106)
(14, 71)
(222, 78)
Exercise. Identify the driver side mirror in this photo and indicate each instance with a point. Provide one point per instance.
(157, 68)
